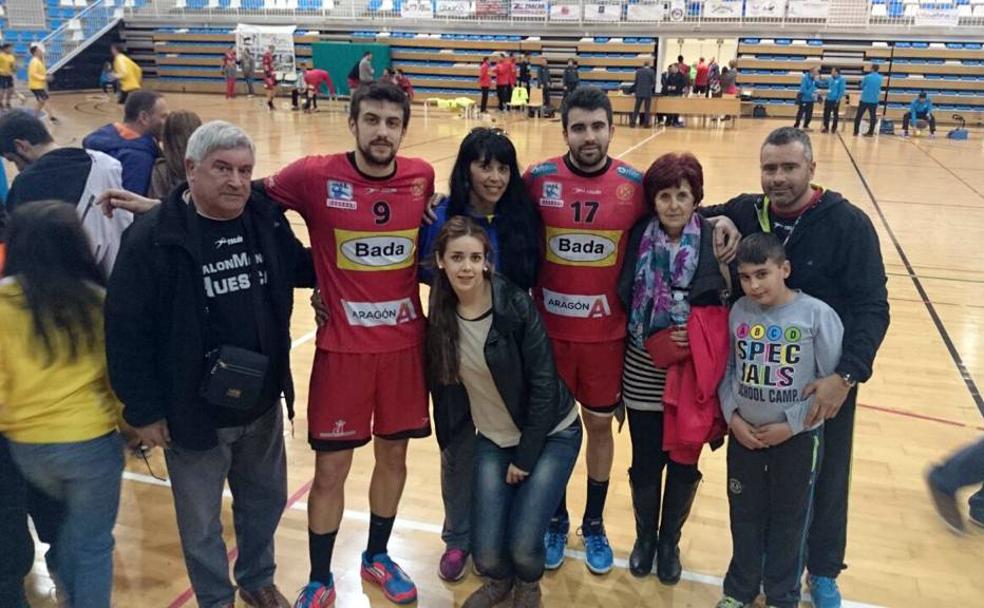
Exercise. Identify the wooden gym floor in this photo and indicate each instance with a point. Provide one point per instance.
(926, 199)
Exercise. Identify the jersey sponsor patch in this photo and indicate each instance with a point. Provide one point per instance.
(579, 247)
(630, 173)
(373, 251)
(553, 195)
(340, 195)
(577, 306)
(374, 314)
(547, 168)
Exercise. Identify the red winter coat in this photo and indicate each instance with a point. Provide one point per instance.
(484, 78)
(691, 410)
(502, 73)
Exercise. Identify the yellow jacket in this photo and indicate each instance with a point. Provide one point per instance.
(66, 401)
(37, 75)
(7, 63)
(128, 72)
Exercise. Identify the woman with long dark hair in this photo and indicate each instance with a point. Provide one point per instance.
(57, 411)
(169, 169)
(674, 290)
(491, 368)
(487, 186)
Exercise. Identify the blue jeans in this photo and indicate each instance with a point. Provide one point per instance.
(964, 468)
(509, 521)
(85, 476)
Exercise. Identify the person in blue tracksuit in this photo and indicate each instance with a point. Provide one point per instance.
(831, 106)
(805, 98)
(921, 108)
(870, 94)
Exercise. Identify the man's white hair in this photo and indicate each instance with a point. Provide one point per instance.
(217, 135)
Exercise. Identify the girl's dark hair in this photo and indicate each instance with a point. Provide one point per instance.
(48, 253)
(516, 222)
(442, 314)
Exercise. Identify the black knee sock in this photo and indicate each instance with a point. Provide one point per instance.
(561, 512)
(320, 548)
(593, 510)
(380, 529)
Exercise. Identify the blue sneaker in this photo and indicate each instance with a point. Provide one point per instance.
(599, 558)
(394, 582)
(824, 592)
(556, 541)
(316, 595)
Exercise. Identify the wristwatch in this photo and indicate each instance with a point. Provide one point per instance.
(848, 379)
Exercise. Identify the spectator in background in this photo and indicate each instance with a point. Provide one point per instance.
(8, 66)
(511, 73)
(229, 70)
(805, 98)
(644, 87)
(702, 79)
(684, 69)
(571, 78)
(674, 84)
(502, 82)
(269, 76)
(59, 417)
(484, 83)
(831, 105)
(870, 94)
(133, 142)
(714, 78)
(169, 169)
(37, 80)
(403, 81)
(70, 175)
(524, 72)
(543, 79)
(921, 108)
(729, 85)
(314, 79)
(127, 72)
(108, 81)
(367, 73)
(248, 65)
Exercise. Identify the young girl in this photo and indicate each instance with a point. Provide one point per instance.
(57, 410)
(490, 365)
(38, 79)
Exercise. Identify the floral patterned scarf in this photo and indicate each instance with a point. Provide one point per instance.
(658, 272)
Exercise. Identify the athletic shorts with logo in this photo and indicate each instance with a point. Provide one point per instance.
(368, 376)
(355, 396)
(6, 82)
(592, 371)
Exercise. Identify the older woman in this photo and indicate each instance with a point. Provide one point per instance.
(669, 273)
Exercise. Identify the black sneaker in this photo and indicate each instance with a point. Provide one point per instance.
(823, 130)
(946, 506)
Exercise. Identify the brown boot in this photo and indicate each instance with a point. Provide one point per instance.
(527, 595)
(264, 597)
(491, 593)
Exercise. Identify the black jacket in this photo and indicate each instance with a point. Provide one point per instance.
(520, 358)
(836, 258)
(708, 287)
(156, 314)
(673, 84)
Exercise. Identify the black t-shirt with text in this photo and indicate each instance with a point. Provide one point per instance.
(232, 270)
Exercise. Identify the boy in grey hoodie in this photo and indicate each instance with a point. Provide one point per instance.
(782, 341)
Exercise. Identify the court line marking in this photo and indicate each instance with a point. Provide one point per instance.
(917, 283)
(641, 143)
(296, 504)
(945, 168)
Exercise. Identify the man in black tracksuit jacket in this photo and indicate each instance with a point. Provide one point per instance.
(835, 256)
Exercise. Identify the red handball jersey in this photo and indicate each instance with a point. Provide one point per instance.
(586, 219)
(364, 239)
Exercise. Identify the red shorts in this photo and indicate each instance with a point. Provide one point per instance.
(355, 396)
(592, 371)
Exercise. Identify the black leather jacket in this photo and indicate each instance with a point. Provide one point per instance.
(520, 357)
